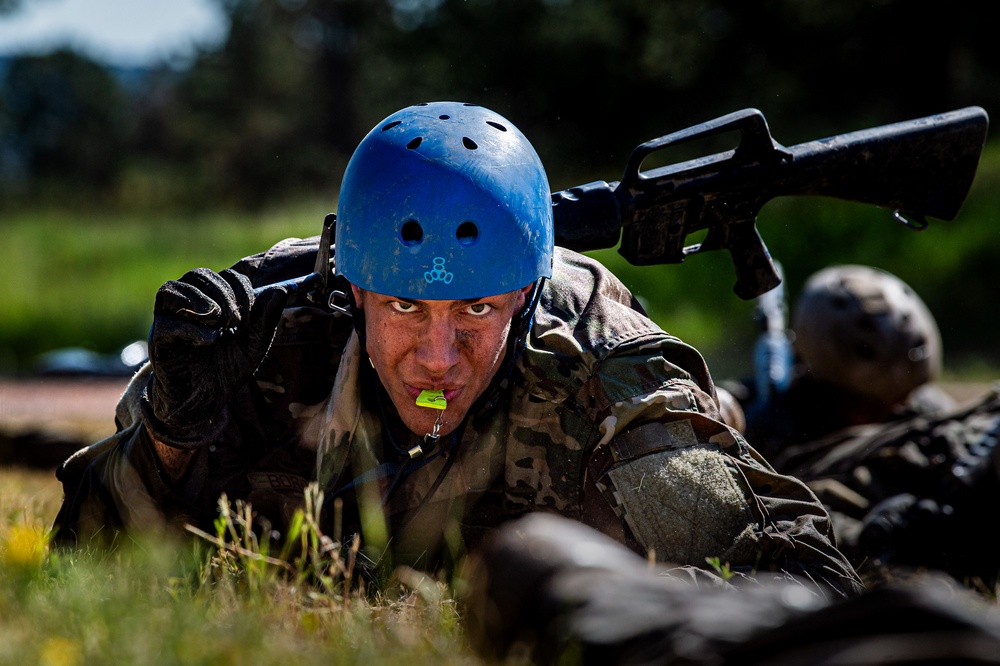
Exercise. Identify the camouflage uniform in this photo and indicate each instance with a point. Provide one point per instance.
(912, 492)
(602, 417)
(810, 409)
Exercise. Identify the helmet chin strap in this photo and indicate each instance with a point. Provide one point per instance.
(520, 328)
(342, 301)
(521, 324)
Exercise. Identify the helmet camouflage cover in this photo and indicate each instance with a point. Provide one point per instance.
(866, 331)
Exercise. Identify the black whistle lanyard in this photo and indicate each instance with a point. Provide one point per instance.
(412, 459)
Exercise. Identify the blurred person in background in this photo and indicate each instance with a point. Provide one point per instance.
(863, 348)
(907, 474)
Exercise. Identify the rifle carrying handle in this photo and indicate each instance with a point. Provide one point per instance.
(755, 143)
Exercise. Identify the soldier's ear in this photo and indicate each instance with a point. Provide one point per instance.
(522, 296)
(358, 293)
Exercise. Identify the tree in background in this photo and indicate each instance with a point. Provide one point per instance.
(271, 112)
(589, 79)
(64, 121)
(277, 107)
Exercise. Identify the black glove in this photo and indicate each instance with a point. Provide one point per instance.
(209, 335)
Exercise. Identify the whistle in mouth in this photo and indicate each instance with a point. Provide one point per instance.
(434, 399)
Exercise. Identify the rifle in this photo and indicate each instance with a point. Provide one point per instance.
(919, 168)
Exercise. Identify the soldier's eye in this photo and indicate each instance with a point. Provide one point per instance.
(402, 306)
(479, 309)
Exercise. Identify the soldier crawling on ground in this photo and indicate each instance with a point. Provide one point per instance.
(863, 348)
(906, 473)
(471, 373)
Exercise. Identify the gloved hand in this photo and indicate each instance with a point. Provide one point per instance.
(209, 335)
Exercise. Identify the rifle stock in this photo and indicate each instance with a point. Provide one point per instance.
(918, 168)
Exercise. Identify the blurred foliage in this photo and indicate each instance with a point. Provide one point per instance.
(65, 118)
(172, 602)
(278, 107)
(272, 114)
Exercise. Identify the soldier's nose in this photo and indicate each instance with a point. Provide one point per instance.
(438, 348)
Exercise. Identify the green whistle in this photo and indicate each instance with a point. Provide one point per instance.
(433, 399)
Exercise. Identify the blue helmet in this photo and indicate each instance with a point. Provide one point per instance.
(444, 201)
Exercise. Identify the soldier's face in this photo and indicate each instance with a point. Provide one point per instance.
(454, 346)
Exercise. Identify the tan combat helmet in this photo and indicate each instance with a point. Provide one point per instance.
(866, 331)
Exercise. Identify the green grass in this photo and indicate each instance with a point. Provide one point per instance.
(203, 603)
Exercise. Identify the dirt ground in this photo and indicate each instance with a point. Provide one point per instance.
(83, 408)
(44, 420)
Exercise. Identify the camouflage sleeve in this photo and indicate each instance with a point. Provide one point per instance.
(689, 488)
(116, 484)
(287, 259)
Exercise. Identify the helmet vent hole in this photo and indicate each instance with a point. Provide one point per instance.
(389, 126)
(496, 125)
(411, 233)
(444, 117)
(469, 143)
(415, 143)
(467, 233)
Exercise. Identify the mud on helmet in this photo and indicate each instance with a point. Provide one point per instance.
(865, 330)
(444, 201)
